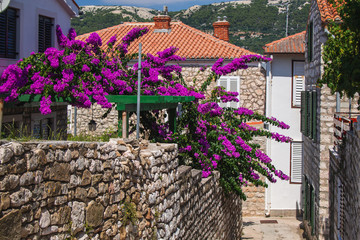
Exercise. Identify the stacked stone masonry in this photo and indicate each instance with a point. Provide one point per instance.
(252, 96)
(344, 166)
(116, 190)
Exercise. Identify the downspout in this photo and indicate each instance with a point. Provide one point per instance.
(337, 102)
(268, 69)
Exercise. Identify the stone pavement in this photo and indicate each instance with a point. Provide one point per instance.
(285, 229)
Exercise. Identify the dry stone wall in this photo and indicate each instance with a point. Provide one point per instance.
(344, 166)
(122, 189)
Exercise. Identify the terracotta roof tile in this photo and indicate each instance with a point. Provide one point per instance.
(192, 43)
(291, 44)
(328, 11)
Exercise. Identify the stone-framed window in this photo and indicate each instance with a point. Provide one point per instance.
(308, 114)
(230, 83)
(9, 33)
(298, 82)
(45, 33)
(296, 162)
(310, 42)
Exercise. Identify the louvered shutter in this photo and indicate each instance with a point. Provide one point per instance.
(45, 33)
(296, 161)
(303, 113)
(340, 209)
(230, 83)
(298, 82)
(305, 197)
(310, 41)
(313, 116)
(8, 25)
(312, 213)
(234, 87)
(309, 115)
(223, 83)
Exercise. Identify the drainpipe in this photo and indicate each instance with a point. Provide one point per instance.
(337, 102)
(1, 113)
(268, 142)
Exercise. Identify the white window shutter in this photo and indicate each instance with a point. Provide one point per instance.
(296, 162)
(230, 83)
(298, 82)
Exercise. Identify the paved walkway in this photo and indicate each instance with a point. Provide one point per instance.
(285, 229)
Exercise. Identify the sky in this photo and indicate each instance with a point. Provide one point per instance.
(173, 5)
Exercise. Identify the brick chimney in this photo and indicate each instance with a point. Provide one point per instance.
(221, 29)
(162, 22)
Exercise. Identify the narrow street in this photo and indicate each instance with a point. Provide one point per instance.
(284, 229)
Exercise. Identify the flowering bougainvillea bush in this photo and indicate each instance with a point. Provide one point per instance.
(210, 137)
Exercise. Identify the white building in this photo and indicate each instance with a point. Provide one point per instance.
(285, 81)
(29, 26)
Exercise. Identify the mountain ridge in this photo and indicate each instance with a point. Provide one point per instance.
(253, 23)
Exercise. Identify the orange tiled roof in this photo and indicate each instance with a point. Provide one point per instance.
(327, 11)
(291, 44)
(192, 43)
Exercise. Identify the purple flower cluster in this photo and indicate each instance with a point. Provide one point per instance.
(242, 144)
(236, 64)
(185, 149)
(280, 138)
(45, 103)
(281, 124)
(210, 107)
(244, 111)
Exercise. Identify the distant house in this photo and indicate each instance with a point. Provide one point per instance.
(317, 121)
(285, 82)
(200, 49)
(25, 27)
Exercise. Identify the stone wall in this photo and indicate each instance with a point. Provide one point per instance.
(116, 190)
(344, 166)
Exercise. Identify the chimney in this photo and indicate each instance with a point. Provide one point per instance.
(221, 29)
(162, 22)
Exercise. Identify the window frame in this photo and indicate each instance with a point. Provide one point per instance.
(15, 54)
(228, 89)
(293, 85)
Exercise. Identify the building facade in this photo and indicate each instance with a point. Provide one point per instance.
(285, 82)
(29, 26)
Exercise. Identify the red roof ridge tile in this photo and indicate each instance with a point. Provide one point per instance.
(328, 11)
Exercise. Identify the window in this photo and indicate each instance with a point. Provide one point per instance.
(308, 114)
(296, 162)
(230, 83)
(298, 82)
(8, 30)
(45, 33)
(310, 44)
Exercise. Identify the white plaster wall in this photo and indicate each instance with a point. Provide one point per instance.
(283, 194)
(29, 10)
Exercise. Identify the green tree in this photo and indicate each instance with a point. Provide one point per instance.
(341, 51)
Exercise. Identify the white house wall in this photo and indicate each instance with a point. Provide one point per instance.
(29, 11)
(283, 194)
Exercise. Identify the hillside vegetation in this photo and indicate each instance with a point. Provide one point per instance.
(252, 25)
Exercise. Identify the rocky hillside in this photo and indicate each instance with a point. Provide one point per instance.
(253, 23)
